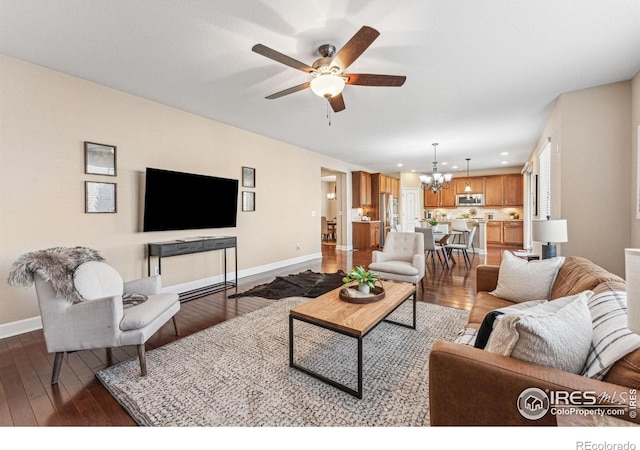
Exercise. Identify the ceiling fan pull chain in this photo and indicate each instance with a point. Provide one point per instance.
(328, 113)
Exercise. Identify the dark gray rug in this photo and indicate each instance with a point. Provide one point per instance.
(304, 284)
(237, 373)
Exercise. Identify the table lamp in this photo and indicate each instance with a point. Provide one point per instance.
(632, 275)
(549, 231)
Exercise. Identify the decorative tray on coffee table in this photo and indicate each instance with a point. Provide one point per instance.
(351, 294)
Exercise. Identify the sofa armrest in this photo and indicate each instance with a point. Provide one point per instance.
(486, 277)
(469, 386)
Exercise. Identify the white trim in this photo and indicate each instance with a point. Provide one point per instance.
(35, 323)
(20, 327)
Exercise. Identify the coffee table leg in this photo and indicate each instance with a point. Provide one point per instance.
(359, 393)
(290, 341)
(414, 309)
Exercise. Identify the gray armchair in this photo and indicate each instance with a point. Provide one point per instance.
(102, 320)
(401, 259)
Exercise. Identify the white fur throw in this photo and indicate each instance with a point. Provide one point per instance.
(56, 265)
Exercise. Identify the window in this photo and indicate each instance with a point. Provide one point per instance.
(544, 198)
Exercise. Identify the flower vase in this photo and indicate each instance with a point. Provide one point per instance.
(364, 288)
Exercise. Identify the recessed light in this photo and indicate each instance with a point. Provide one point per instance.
(454, 167)
(505, 162)
(504, 153)
(400, 164)
(444, 163)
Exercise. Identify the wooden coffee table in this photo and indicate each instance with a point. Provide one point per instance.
(356, 320)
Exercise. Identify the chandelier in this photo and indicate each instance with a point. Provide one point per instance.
(436, 180)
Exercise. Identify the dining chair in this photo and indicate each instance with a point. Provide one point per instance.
(462, 248)
(432, 248)
(324, 233)
(460, 229)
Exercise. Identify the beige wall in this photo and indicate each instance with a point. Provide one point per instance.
(45, 118)
(591, 143)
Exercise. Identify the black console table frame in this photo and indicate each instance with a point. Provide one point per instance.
(196, 245)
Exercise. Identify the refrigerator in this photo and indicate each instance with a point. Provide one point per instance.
(388, 215)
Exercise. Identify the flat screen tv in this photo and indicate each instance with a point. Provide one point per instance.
(187, 201)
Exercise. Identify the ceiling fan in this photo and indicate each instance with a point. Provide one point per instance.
(327, 73)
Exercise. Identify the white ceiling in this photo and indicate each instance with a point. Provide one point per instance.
(482, 76)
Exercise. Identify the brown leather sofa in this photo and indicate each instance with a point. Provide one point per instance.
(469, 386)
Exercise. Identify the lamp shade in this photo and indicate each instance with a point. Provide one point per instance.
(632, 275)
(549, 230)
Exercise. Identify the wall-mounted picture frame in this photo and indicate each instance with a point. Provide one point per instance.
(248, 201)
(248, 177)
(100, 197)
(100, 159)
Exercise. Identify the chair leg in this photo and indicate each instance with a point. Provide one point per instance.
(175, 326)
(143, 360)
(57, 364)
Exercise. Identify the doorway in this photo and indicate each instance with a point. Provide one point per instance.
(332, 206)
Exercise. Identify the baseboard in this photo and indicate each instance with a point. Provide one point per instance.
(35, 323)
(20, 327)
(197, 284)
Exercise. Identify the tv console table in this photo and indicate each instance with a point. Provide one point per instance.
(196, 245)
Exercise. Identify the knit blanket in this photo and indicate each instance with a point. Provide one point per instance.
(56, 265)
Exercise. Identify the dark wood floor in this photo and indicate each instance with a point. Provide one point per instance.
(79, 399)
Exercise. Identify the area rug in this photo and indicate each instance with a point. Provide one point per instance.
(304, 284)
(237, 374)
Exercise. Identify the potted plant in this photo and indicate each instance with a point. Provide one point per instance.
(434, 223)
(368, 215)
(365, 279)
(512, 214)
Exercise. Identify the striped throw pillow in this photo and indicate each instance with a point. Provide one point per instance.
(611, 338)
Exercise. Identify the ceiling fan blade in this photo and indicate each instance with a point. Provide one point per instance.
(337, 103)
(367, 79)
(291, 90)
(279, 57)
(355, 47)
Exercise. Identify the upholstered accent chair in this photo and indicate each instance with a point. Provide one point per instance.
(401, 259)
(102, 320)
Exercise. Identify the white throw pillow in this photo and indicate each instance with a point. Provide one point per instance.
(554, 334)
(520, 280)
(611, 338)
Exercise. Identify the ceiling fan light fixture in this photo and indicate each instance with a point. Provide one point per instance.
(327, 85)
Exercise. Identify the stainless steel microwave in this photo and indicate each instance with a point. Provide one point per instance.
(470, 200)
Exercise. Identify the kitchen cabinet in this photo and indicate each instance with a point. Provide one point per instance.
(503, 190)
(444, 198)
(361, 189)
(384, 184)
(508, 232)
(476, 183)
(512, 232)
(366, 235)
(494, 232)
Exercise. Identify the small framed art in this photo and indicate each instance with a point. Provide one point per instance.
(248, 201)
(100, 159)
(248, 177)
(100, 197)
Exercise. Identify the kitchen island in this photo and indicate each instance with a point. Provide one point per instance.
(366, 234)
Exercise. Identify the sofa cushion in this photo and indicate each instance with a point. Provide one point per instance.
(554, 334)
(579, 274)
(486, 327)
(141, 315)
(626, 371)
(397, 267)
(466, 336)
(520, 280)
(483, 304)
(611, 338)
(96, 279)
